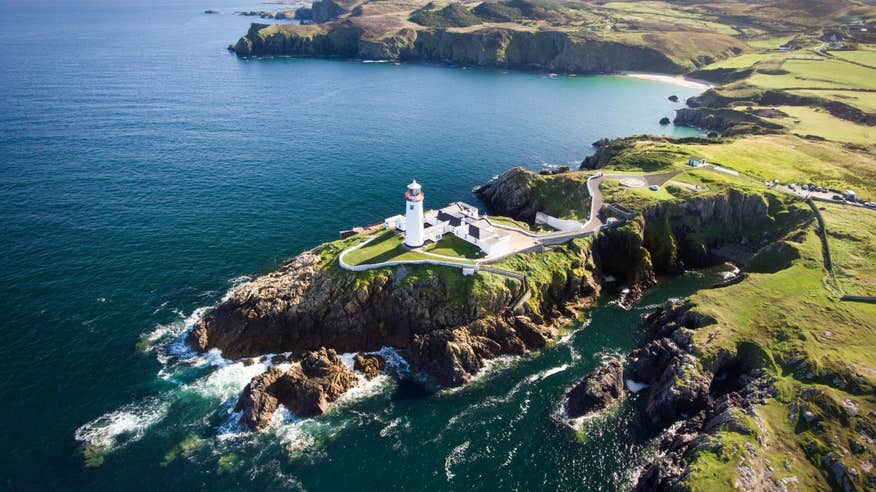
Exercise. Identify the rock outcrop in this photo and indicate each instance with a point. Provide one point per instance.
(730, 411)
(309, 303)
(498, 47)
(621, 253)
(511, 194)
(727, 121)
(598, 390)
(306, 389)
(370, 364)
(682, 389)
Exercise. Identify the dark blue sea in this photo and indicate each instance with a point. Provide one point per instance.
(144, 170)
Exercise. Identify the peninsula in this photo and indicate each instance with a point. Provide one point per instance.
(768, 377)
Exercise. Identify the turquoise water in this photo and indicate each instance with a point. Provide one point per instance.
(144, 170)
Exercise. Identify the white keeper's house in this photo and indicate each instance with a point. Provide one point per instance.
(460, 219)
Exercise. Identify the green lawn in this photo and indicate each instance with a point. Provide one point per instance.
(451, 245)
(498, 219)
(507, 221)
(388, 246)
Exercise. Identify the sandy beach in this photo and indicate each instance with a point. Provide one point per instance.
(671, 79)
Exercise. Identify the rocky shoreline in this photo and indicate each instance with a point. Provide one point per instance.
(312, 308)
(703, 399)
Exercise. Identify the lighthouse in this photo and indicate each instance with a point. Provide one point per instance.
(414, 215)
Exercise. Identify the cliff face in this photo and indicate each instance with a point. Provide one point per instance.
(304, 306)
(264, 40)
(727, 121)
(511, 194)
(543, 50)
(711, 399)
(444, 328)
(665, 238)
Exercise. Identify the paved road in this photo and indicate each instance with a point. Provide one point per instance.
(522, 240)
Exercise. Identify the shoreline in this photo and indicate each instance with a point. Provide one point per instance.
(678, 80)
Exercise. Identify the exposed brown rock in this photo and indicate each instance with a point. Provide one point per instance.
(370, 364)
(598, 390)
(306, 389)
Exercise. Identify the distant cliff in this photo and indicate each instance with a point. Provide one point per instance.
(543, 50)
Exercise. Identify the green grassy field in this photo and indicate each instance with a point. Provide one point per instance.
(744, 61)
(818, 347)
(865, 54)
(386, 247)
(793, 159)
(803, 120)
(826, 74)
(865, 101)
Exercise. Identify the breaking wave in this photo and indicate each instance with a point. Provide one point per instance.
(124, 426)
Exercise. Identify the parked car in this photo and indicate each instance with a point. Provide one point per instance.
(837, 198)
(653, 187)
(870, 204)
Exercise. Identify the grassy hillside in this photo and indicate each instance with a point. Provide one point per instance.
(690, 35)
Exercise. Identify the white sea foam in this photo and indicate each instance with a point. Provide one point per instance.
(126, 425)
(727, 275)
(364, 389)
(510, 457)
(492, 367)
(455, 456)
(547, 373)
(390, 428)
(635, 386)
(394, 359)
(295, 434)
(228, 379)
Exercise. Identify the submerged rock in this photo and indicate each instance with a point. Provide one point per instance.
(306, 389)
(598, 390)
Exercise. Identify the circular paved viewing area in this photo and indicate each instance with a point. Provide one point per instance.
(633, 182)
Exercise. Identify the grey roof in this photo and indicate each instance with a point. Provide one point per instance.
(454, 219)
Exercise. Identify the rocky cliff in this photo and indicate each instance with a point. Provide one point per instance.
(710, 398)
(306, 389)
(728, 122)
(544, 50)
(664, 238)
(598, 390)
(444, 324)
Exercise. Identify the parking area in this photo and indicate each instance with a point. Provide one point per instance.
(825, 195)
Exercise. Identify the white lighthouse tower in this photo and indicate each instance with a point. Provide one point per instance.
(414, 215)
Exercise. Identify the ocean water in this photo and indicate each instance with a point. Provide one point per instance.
(144, 170)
